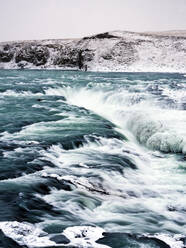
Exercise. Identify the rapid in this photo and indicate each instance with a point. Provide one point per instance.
(92, 159)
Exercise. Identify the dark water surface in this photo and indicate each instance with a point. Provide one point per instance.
(92, 159)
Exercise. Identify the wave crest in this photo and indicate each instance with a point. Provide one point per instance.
(155, 133)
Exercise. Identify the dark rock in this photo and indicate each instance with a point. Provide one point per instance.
(84, 56)
(80, 60)
(183, 239)
(43, 188)
(57, 47)
(37, 55)
(60, 239)
(88, 55)
(73, 57)
(6, 55)
(67, 57)
(6, 242)
(171, 208)
(125, 240)
(6, 47)
(105, 35)
(22, 64)
(156, 241)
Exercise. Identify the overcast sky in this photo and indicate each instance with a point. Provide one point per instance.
(43, 19)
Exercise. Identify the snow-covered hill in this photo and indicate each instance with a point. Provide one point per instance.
(111, 51)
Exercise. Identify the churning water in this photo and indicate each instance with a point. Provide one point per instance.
(92, 159)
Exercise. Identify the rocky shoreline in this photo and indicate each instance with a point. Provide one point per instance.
(110, 51)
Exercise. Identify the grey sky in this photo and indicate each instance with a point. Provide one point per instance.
(42, 19)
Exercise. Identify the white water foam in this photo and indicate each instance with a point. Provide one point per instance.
(79, 236)
(151, 188)
(33, 236)
(13, 93)
(148, 188)
(158, 129)
(26, 234)
(84, 236)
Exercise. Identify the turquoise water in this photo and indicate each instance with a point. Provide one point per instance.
(85, 155)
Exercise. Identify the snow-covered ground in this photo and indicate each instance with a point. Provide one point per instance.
(112, 51)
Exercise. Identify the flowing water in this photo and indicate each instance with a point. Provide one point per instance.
(92, 159)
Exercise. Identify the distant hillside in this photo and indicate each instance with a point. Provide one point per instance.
(175, 33)
(110, 51)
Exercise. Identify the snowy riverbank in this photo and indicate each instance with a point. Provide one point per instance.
(112, 51)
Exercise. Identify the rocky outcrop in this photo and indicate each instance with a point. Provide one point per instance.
(106, 35)
(125, 52)
(6, 54)
(37, 55)
(110, 51)
(67, 57)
